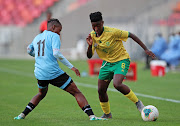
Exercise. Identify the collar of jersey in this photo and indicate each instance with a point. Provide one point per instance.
(102, 32)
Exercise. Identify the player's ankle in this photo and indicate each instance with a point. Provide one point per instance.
(92, 116)
(22, 115)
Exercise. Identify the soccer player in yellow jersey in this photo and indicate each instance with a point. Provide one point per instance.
(108, 44)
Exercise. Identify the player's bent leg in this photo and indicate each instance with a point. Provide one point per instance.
(33, 103)
(117, 82)
(41, 94)
(103, 97)
(102, 90)
(81, 100)
(65, 82)
(73, 90)
(124, 89)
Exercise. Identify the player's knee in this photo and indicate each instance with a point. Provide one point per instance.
(117, 85)
(41, 95)
(75, 92)
(101, 91)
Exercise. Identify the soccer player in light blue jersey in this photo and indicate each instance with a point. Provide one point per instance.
(46, 49)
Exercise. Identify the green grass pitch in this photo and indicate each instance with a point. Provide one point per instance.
(18, 85)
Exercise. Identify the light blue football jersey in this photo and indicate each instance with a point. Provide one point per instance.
(46, 65)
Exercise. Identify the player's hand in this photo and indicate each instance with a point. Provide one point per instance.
(76, 71)
(89, 40)
(149, 53)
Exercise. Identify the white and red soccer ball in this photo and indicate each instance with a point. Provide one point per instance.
(150, 113)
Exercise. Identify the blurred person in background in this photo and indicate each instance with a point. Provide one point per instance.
(158, 48)
(43, 25)
(172, 54)
(81, 48)
(46, 49)
(108, 44)
(159, 45)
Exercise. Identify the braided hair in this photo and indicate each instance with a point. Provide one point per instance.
(96, 16)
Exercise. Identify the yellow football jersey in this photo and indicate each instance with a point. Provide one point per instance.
(109, 45)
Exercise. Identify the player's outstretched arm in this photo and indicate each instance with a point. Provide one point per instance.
(147, 51)
(89, 50)
(63, 60)
(76, 71)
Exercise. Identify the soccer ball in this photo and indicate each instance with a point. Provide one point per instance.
(150, 113)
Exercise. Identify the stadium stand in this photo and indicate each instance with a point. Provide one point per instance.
(177, 7)
(173, 18)
(22, 12)
(117, 13)
(73, 6)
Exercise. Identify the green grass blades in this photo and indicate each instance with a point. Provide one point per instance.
(18, 85)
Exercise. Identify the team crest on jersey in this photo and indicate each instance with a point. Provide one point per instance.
(107, 43)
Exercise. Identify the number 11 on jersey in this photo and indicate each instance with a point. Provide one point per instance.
(39, 47)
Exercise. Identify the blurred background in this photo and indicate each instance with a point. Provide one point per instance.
(20, 23)
(155, 22)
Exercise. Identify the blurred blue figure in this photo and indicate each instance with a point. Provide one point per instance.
(172, 54)
(159, 46)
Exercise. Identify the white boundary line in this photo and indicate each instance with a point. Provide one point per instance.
(138, 94)
(87, 85)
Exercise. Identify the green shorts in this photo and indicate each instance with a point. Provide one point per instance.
(108, 70)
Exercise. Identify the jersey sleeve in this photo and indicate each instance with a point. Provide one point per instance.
(121, 34)
(56, 43)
